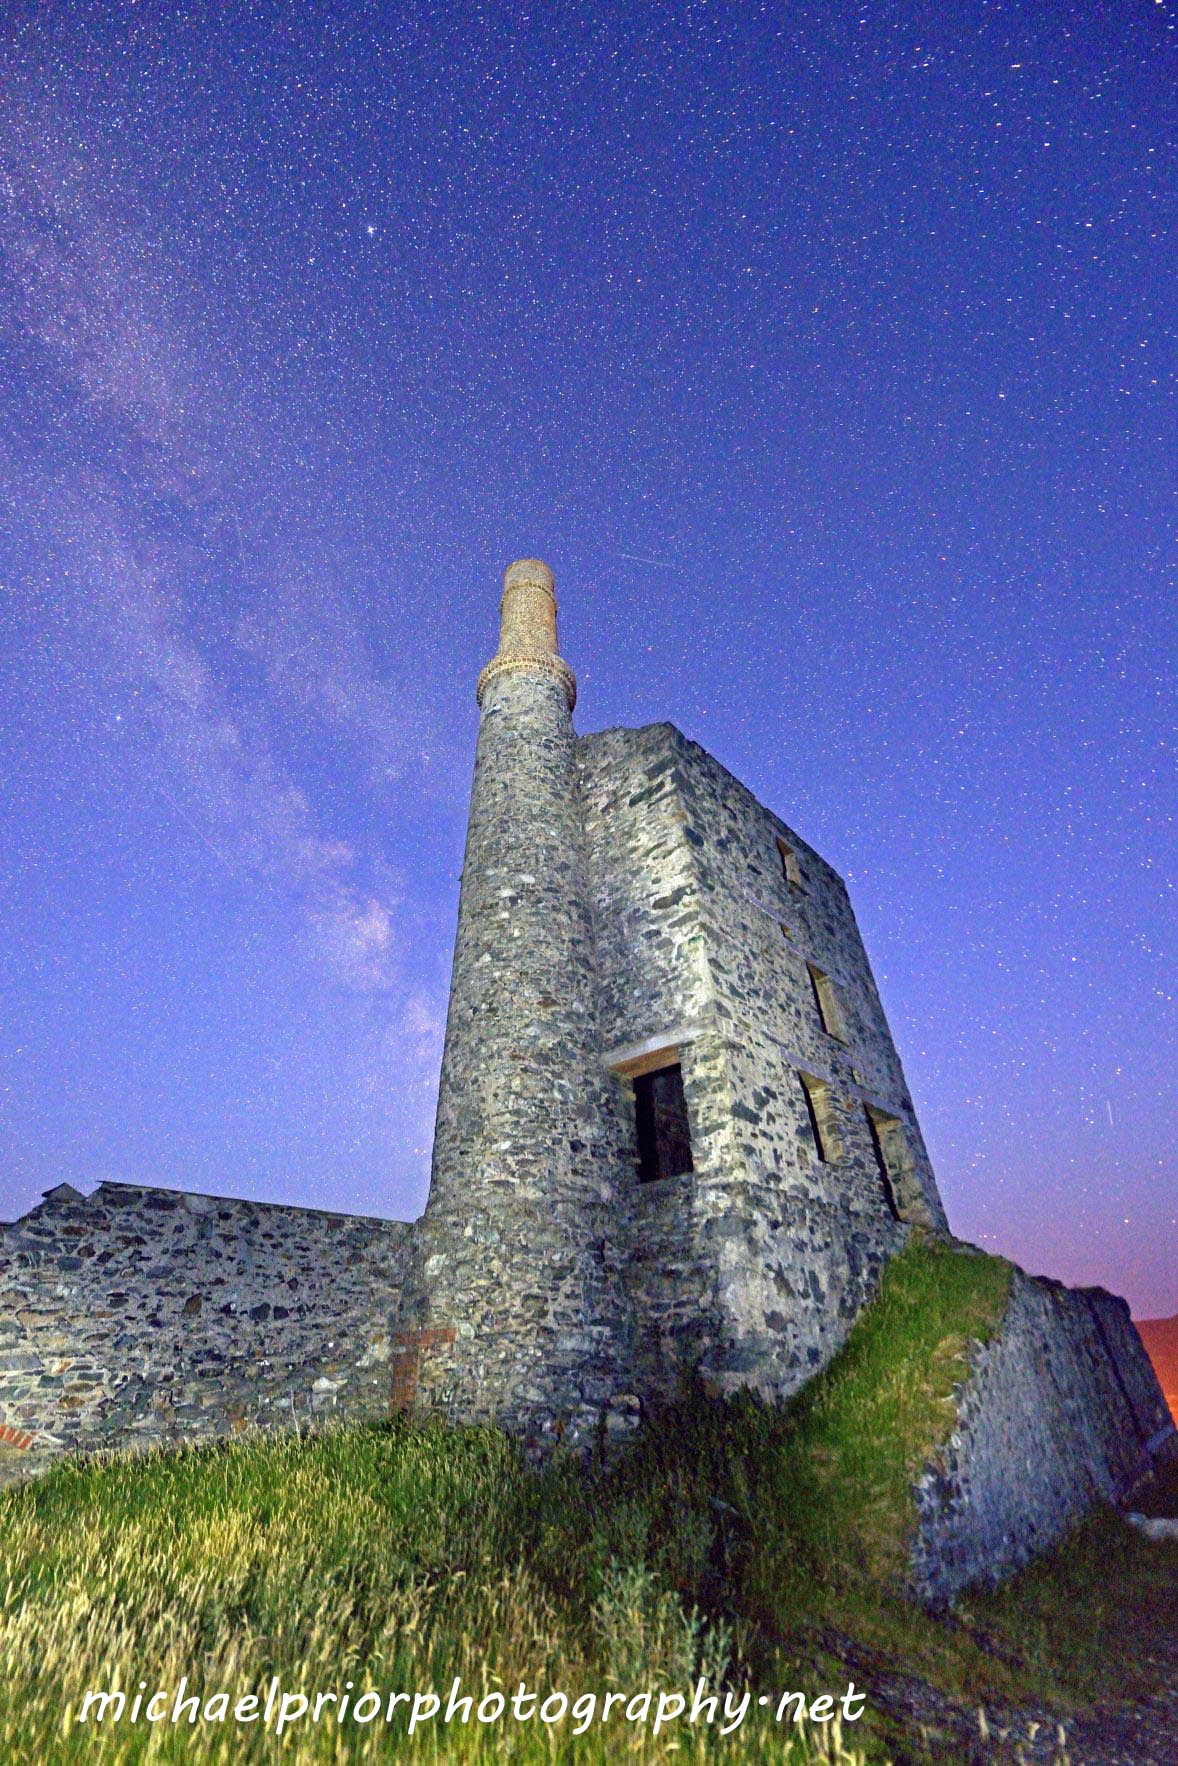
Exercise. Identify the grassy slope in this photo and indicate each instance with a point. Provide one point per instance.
(731, 1539)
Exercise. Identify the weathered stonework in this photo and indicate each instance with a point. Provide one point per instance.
(751, 1271)
(629, 913)
(516, 1255)
(136, 1316)
(621, 893)
(1059, 1410)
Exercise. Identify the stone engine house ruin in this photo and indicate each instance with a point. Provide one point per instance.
(673, 1140)
(673, 1131)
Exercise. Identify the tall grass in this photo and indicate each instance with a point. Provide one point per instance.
(733, 1542)
(395, 1558)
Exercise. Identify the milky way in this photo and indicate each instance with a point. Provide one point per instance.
(822, 352)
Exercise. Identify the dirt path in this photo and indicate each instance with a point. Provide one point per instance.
(1139, 1732)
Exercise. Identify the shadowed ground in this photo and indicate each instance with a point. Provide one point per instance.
(764, 1549)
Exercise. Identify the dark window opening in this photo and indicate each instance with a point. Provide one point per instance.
(660, 1115)
(826, 999)
(790, 868)
(820, 1115)
(881, 1165)
(896, 1166)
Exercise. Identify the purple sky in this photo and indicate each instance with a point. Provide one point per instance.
(822, 351)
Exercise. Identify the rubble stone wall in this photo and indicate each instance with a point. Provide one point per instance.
(514, 1310)
(139, 1315)
(1061, 1409)
(753, 1270)
(623, 895)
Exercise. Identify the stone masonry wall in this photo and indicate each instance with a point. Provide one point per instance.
(1061, 1409)
(514, 1310)
(754, 1268)
(140, 1316)
(654, 979)
(762, 934)
(799, 1242)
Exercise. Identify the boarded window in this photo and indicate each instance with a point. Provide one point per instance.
(820, 1115)
(893, 1161)
(790, 868)
(826, 999)
(660, 1116)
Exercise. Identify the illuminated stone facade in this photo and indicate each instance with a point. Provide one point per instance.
(674, 1144)
(628, 907)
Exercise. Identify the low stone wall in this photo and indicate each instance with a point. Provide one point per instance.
(140, 1315)
(1061, 1409)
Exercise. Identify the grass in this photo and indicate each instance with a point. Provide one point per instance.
(761, 1549)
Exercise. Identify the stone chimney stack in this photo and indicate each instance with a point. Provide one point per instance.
(514, 1312)
(527, 630)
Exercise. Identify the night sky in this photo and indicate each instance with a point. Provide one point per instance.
(821, 350)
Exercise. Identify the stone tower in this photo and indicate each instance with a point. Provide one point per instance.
(674, 1140)
(675, 1146)
(515, 1309)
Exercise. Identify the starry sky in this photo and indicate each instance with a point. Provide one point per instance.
(822, 350)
